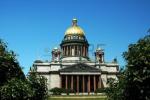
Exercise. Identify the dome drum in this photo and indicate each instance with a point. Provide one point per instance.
(74, 43)
(74, 39)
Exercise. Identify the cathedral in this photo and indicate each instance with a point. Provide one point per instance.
(71, 66)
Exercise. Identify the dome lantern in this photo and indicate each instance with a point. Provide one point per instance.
(74, 22)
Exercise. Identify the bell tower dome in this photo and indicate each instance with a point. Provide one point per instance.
(74, 43)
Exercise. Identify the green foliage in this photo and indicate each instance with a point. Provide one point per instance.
(138, 70)
(39, 86)
(34, 88)
(59, 91)
(9, 66)
(16, 89)
(133, 82)
(68, 91)
(100, 90)
(13, 84)
(115, 89)
(9, 69)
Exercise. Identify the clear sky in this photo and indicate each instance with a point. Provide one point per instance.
(33, 27)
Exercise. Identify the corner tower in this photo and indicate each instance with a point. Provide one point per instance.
(74, 43)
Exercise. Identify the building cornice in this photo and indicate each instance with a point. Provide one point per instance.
(80, 73)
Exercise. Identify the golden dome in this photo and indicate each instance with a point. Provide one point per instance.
(74, 29)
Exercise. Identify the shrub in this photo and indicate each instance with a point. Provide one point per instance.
(100, 90)
(59, 91)
(68, 91)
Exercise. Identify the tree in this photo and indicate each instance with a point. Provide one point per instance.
(13, 83)
(138, 70)
(133, 81)
(39, 86)
(116, 87)
(11, 75)
(16, 89)
(9, 66)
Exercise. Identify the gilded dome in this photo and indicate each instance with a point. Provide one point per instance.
(74, 29)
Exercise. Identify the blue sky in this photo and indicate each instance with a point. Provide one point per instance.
(33, 27)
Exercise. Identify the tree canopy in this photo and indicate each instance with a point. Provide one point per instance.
(13, 83)
(39, 85)
(133, 81)
(138, 70)
(9, 66)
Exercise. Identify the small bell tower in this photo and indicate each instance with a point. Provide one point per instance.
(56, 54)
(99, 55)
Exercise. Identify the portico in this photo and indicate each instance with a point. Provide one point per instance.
(81, 83)
(81, 78)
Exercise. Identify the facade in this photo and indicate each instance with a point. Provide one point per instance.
(71, 67)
